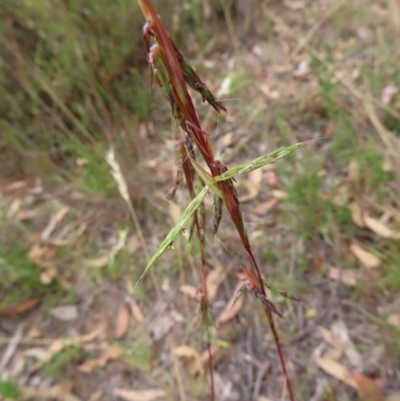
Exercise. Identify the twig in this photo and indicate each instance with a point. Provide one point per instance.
(11, 347)
(257, 385)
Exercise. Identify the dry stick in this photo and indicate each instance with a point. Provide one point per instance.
(366, 100)
(257, 385)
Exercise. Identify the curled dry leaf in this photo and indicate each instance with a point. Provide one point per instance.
(272, 179)
(279, 194)
(356, 214)
(353, 170)
(366, 258)
(330, 338)
(136, 311)
(97, 263)
(188, 290)
(14, 208)
(133, 244)
(22, 307)
(195, 363)
(264, 207)
(15, 186)
(112, 352)
(213, 280)
(122, 322)
(175, 211)
(380, 229)
(38, 254)
(48, 275)
(57, 392)
(367, 389)
(99, 332)
(184, 351)
(348, 277)
(253, 185)
(233, 307)
(140, 395)
(336, 370)
(394, 319)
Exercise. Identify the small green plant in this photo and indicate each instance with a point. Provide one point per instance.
(8, 390)
(20, 276)
(173, 73)
(54, 368)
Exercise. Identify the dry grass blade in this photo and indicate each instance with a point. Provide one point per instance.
(123, 190)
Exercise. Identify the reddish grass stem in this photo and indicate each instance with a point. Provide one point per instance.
(173, 73)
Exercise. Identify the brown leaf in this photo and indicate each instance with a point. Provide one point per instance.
(356, 214)
(15, 186)
(195, 361)
(112, 352)
(133, 244)
(140, 395)
(97, 263)
(14, 208)
(22, 307)
(57, 392)
(122, 322)
(353, 170)
(253, 185)
(279, 194)
(142, 131)
(175, 211)
(367, 389)
(233, 307)
(264, 207)
(348, 277)
(188, 290)
(394, 319)
(98, 332)
(379, 228)
(331, 338)
(213, 280)
(337, 370)
(366, 258)
(47, 275)
(184, 351)
(272, 179)
(136, 311)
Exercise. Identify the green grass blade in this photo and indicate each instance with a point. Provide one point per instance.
(177, 229)
(261, 161)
